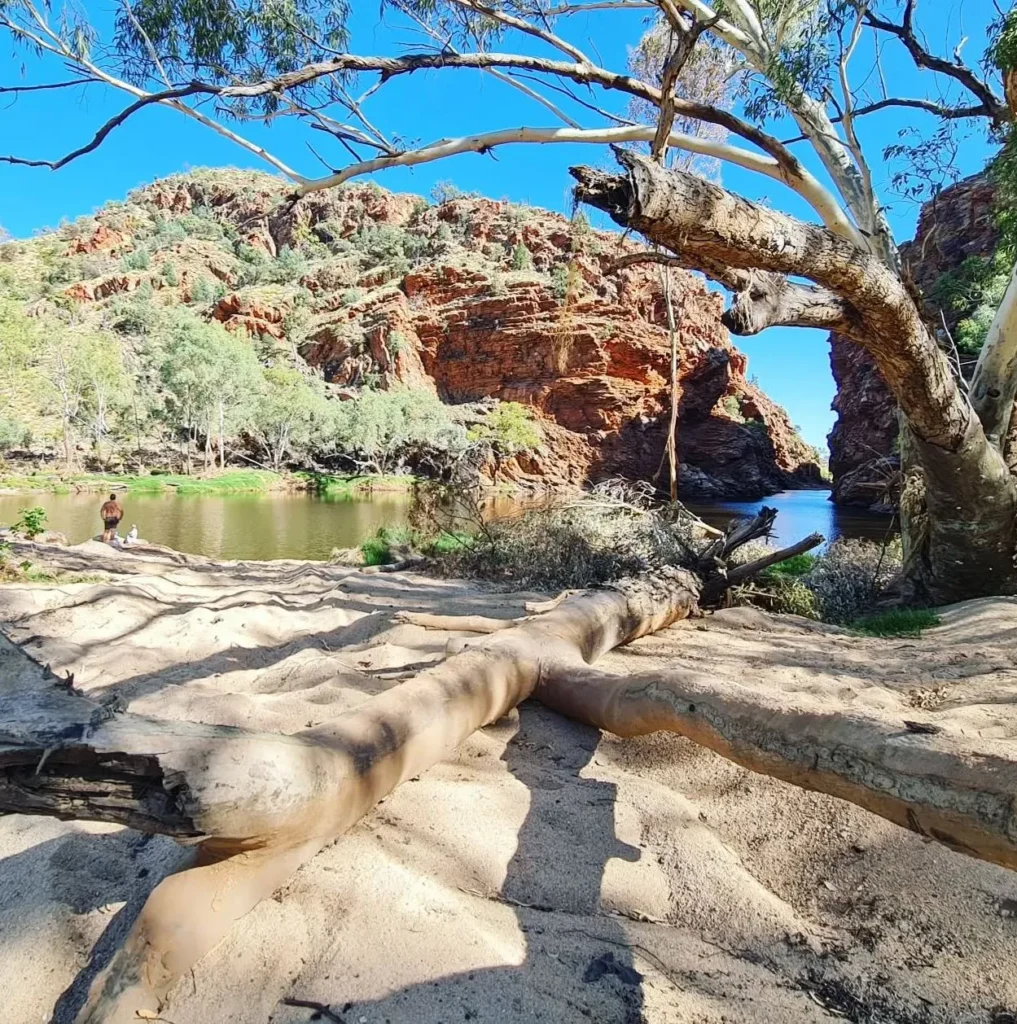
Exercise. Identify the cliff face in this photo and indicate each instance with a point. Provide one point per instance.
(586, 349)
(474, 300)
(957, 224)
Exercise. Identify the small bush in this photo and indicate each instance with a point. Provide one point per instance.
(796, 565)
(380, 549)
(13, 434)
(137, 260)
(848, 578)
(445, 192)
(788, 595)
(201, 292)
(31, 521)
(510, 427)
(897, 622)
(521, 258)
(733, 408)
(289, 266)
(612, 531)
(560, 281)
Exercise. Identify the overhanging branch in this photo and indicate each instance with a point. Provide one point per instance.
(700, 221)
(760, 299)
(113, 122)
(955, 69)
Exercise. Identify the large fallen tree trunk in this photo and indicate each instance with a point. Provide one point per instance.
(257, 806)
(260, 805)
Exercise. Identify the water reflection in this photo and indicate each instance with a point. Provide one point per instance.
(281, 525)
(241, 526)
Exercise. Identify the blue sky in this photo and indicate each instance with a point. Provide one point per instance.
(792, 364)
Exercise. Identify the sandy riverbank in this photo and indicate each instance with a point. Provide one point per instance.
(546, 872)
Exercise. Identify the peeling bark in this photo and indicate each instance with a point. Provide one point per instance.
(914, 773)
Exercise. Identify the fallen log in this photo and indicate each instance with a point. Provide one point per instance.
(257, 806)
(907, 766)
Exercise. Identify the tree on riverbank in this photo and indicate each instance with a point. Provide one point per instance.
(259, 806)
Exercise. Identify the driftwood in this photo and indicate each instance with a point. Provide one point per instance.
(716, 585)
(257, 806)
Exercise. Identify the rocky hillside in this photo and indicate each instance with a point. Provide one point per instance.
(955, 230)
(471, 300)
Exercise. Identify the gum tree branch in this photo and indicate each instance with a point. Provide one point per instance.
(923, 58)
(807, 186)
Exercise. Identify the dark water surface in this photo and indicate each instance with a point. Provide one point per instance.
(286, 525)
(801, 513)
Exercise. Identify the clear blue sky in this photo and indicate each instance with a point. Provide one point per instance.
(792, 364)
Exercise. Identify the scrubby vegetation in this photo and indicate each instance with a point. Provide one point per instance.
(616, 529)
(510, 427)
(611, 531)
(113, 356)
(970, 296)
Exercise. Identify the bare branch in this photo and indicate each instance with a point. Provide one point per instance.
(685, 42)
(696, 219)
(565, 10)
(527, 27)
(15, 89)
(759, 299)
(389, 67)
(939, 109)
(113, 122)
(955, 69)
(495, 73)
(806, 185)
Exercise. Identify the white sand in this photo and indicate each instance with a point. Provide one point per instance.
(499, 885)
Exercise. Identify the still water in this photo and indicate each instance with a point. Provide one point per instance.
(285, 525)
(801, 513)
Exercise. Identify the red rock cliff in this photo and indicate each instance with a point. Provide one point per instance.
(476, 300)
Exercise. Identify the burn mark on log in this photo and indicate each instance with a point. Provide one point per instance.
(74, 782)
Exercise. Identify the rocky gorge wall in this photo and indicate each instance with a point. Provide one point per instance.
(864, 463)
(474, 300)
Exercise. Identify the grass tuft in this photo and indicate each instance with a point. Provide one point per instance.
(897, 622)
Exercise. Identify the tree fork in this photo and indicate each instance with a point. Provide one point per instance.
(971, 496)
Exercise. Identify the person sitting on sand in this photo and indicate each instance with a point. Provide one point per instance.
(111, 513)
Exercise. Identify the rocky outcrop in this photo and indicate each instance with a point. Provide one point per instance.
(957, 224)
(474, 300)
(593, 363)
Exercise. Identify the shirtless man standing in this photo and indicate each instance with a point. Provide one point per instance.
(111, 514)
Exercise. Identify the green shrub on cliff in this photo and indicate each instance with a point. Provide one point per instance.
(970, 296)
(510, 427)
(521, 258)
